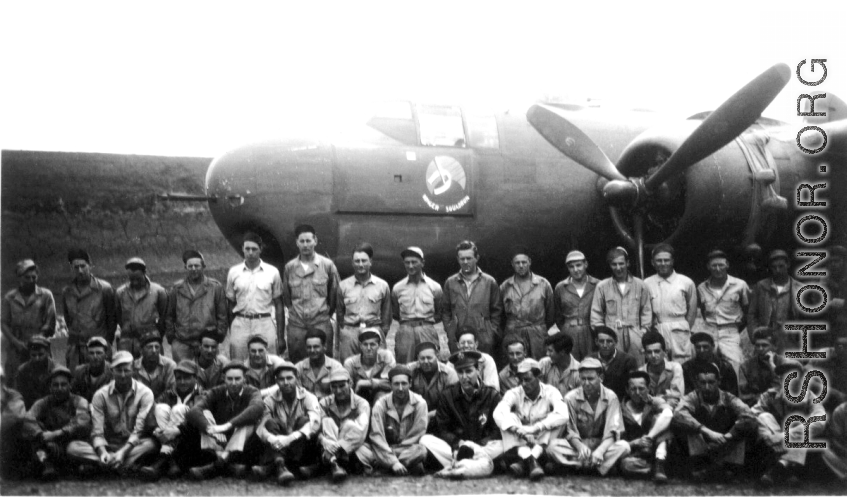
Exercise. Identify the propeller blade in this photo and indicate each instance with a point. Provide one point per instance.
(638, 227)
(571, 141)
(728, 121)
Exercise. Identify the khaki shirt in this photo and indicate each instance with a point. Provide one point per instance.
(29, 316)
(317, 384)
(772, 308)
(305, 405)
(616, 310)
(571, 310)
(71, 417)
(210, 376)
(670, 385)
(262, 378)
(564, 380)
(536, 308)
(547, 412)
(116, 420)
(431, 389)
(253, 290)
(384, 362)
(674, 299)
(420, 300)
(160, 380)
(586, 423)
(357, 414)
(145, 313)
(508, 379)
(90, 312)
(368, 304)
(310, 295)
(390, 428)
(190, 314)
(724, 307)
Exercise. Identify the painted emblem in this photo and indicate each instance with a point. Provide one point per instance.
(446, 183)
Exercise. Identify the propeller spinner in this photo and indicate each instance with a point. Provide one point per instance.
(728, 121)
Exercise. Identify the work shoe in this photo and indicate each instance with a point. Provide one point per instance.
(659, 475)
(337, 472)
(203, 472)
(237, 470)
(517, 469)
(174, 471)
(260, 472)
(284, 477)
(307, 472)
(536, 472)
(154, 471)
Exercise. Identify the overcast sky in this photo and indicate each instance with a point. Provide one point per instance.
(196, 78)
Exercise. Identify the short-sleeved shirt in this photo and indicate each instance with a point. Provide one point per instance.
(366, 304)
(420, 300)
(724, 306)
(253, 290)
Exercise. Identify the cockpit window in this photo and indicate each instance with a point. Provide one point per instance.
(441, 125)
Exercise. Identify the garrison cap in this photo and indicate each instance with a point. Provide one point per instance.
(192, 254)
(97, 342)
(186, 366)
(78, 253)
(370, 333)
(778, 254)
(257, 338)
(425, 345)
(398, 370)
(574, 255)
(339, 375)
(413, 252)
(121, 357)
(38, 342)
(59, 371)
(135, 263)
(529, 365)
(24, 266)
(462, 359)
(152, 336)
(716, 254)
(234, 364)
(285, 366)
(591, 363)
(701, 336)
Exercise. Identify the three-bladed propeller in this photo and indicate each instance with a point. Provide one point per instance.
(729, 120)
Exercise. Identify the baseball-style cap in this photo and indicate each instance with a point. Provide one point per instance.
(528, 365)
(97, 342)
(37, 342)
(778, 254)
(574, 255)
(285, 365)
(463, 359)
(60, 371)
(716, 254)
(412, 251)
(591, 363)
(135, 263)
(368, 333)
(152, 336)
(187, 366)
(78, 253)
(24, 266)
(121, 357)
(339, 375)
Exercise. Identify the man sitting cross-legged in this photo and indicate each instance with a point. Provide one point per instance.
(647, 421)
(344, 425)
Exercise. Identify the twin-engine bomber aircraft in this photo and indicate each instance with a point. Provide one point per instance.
(558, 178)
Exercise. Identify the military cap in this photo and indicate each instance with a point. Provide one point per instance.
(135, 263)
(591, 363)
(234, 364)
(716, 254)
(413, 252)
(257, 338)
(778, 254)
(606, 331)
(37, 342)
(339, 375)
(97, 342)
(121, 357)
(463, 359)
(210, 334)
(24, 266)
(529, 365)
(59, 371)
(285, 365)
(370, 333)
(425, 345)
(78, 253)
(152, 336)
(701, 336)
(398, 370)
(192, 254)
(573, 256)
(186, 366)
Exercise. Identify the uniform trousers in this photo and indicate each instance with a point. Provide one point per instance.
(184, 350)
(561, 451)
(728, 343)
(409, 335)
(677, 336)
(242, 329)
(408, 455)
(84, 452)
(531, 334)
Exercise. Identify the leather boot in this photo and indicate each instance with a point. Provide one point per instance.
(203, 472)
(283, 475)
(659, 475)
(237, 470)
(536, 472)
(261, 472)
(338, 473)
(154, 471)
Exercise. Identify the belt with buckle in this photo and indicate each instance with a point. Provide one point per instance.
(253, 316)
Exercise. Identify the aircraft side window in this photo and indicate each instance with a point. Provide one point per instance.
(482, 131)
(441, 126)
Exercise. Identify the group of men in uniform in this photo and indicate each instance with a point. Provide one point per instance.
(617, 385)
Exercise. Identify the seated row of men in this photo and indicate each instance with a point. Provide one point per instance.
(318, 415)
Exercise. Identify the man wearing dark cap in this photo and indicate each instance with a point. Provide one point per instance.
(515, 354)
(573, 297)
(95, 373)
(468, 341)
(758, 373)
(622, 303)
(153, 369)
(772, 300)
(713, 424)
(369, 369)
(398, 421)
(416, 305)
(31, 378)
(674, 300)
(616, 364)
(528, 305)
(310, 290)
(54, 421)
(595, 424)
(118, 413)
(429, 377)
(196, 304)
(529, 416)
(289, 428)
(89, 308)
(772, 410)
(364, 300)
(141, 306)
(344, 425)
(723, 301)
(560, 369)
(464, 421)
(27, 311)
(704, 354)
(261, 365)
(314, 370)
(254, 297)
(666, 377)
(224, 426)
(472, 298)
(647, 421)
(210, 362)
